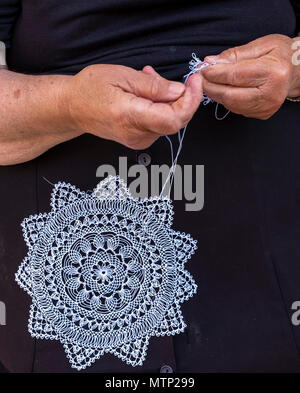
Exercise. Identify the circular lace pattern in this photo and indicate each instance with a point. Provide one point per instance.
(105, 272)
(102, 272)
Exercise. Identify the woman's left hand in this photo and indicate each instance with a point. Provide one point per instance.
(254, 79)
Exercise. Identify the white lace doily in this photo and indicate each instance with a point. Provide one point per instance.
(105, 272)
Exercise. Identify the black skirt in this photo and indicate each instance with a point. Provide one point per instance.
(247, 265)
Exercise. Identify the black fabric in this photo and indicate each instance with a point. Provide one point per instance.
(2, 369)
(296, 5)
(53, 36)
(247, 265)
(9, 10)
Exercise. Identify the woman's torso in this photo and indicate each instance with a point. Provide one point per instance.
(247, 231)
(52, 36)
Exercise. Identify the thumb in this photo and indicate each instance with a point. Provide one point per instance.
(149, 84)
(253, 50)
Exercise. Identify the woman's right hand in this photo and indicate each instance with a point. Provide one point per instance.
(131, 107)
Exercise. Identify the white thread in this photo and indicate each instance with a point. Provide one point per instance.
(2, 54)
(48, 181)
(196, 65)
(216, 113)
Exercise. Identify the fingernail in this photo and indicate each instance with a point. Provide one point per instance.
(176, 88)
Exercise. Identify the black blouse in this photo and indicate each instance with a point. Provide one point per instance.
(55, 36)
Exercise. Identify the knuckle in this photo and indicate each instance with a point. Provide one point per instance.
(155, 87)
(228, 99)
(235, 54)
(115, 114)
(134, 115)
(120, 119)
(133, 84)
(233, 77)
(230, 54)
(281, 73)
(90, 68)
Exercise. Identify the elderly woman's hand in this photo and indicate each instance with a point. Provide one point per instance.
(131, 107)
(254, 79)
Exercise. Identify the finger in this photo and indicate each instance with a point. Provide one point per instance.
(150, 70)
(144, 115)
(248, 73)
(157, 118)
(236, 99)
(187, 105)
(163, 118)
(153, 87)
(252, 50)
